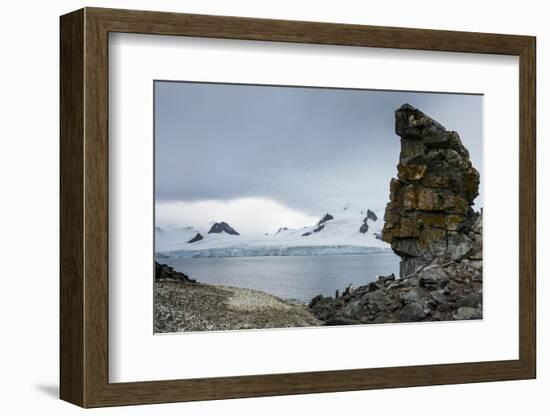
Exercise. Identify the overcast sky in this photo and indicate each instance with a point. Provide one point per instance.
(262, 157)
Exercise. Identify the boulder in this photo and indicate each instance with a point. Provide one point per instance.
(412, 312)
(386, 279)
(467, 312)
(433, 276)
(414, 295)
(472, 300)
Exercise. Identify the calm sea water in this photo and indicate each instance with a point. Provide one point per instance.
(290, 277)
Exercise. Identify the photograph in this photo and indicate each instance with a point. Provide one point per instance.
(298, 206)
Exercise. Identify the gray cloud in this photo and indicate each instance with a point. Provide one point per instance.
(311, 149)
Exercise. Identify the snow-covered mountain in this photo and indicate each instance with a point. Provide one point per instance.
(167, 239)
(345, 231)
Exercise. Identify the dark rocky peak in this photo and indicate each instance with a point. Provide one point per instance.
(197, 237)
(429, 214)
(220, 227)
(280, 230)
(371, 216)
(320, 224)
(420, 133)
(326, 217)
(365, 226)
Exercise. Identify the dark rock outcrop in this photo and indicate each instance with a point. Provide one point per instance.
(221, 227)
(371, 216)
(326, 217)
(430, 223)
(429, 215)
(164, 272)
(320, 225)
(197, 237)
(319, 228)
(365, 226)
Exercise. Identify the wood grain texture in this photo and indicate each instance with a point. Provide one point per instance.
(527, 208)
(71, 100)
(84, 207)
(96, 208)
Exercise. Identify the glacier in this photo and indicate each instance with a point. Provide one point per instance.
(253, 251)
(338, 235)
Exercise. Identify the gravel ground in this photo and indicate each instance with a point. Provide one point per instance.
(183, 306)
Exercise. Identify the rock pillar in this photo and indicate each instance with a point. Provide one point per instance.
(429, 217)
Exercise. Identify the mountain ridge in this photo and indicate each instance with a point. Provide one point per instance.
(337, 232)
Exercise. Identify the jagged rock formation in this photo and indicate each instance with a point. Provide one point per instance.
(220, 227)
(429, 214)
(430, 223)
(197, 237)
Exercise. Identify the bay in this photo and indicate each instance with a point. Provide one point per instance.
(290, 277)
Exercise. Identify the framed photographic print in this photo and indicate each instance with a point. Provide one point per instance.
(255, 207)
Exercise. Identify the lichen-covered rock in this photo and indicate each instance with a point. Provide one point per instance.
(431, 198)
(430, 223)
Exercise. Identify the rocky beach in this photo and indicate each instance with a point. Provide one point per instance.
(182, 304)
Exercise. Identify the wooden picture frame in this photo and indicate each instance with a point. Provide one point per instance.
(84, 207)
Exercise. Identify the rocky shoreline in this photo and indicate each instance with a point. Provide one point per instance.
(182, 304)
(438, 292)
(430, 224)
